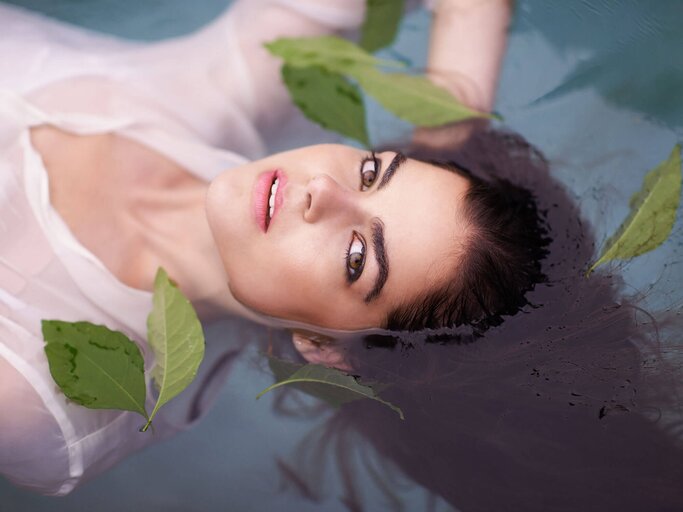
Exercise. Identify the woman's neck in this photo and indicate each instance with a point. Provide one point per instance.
(177, 236)
(139, 211)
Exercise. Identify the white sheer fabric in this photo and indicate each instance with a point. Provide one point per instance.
(206, 101)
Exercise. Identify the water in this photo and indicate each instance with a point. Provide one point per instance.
(596, 86)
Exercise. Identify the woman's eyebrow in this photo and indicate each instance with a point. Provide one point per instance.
(393, 167)
(380, 250)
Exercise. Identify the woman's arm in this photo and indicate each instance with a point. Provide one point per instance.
(466, 49)
(467, 45)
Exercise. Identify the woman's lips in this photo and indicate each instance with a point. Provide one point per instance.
(261, 197)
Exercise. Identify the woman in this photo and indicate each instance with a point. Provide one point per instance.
(84, 245)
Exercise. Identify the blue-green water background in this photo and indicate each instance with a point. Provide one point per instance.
(596, 85)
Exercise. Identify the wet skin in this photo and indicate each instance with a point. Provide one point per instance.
(320, 260)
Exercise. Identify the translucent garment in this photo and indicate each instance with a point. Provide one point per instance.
(205, 101)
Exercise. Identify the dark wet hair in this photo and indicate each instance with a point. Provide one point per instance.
(568, 405)
(500, 262)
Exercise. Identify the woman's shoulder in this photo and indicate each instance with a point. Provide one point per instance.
(36, 50)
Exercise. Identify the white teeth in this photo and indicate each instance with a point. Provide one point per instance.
(271, 199)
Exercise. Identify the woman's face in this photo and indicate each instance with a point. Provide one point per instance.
(350, 237)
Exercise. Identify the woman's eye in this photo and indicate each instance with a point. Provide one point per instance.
(368, 172)
(355, 258)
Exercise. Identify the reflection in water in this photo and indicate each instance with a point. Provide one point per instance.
(637, 67)
(558, 408)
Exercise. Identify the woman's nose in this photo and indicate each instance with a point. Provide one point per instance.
(328, 199)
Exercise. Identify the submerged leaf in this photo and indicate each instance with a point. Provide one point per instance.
(653, 212)
(328, 384)
(327, 99)
(175, 335)
(382, 19)
(330, 52)
(283, 369)
(413, 98)
(95, 366)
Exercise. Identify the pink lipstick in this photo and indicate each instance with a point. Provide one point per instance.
(267, 197)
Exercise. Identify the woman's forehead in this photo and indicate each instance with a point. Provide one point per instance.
(425, 228)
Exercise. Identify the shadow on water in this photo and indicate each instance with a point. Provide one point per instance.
(561, 407)
(637, 67)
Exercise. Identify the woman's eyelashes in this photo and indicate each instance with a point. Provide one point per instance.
(355, 253)
(355, 258)
(369, 171)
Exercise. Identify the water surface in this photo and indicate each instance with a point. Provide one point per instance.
(595, 85)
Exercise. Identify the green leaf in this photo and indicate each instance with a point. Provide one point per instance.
(653, 212)
(175, 335)
(328, 384)
(328, 99)
(413, 98)
(283, 369)
(333, 53)
(382, 19)
(95, 366)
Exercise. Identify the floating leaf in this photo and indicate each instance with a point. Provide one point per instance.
(653, 212)
(328, 384)
(95, 366)
(333, 53)
(382, 19)
(176, 337)
(328, 99)
(413, 98)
